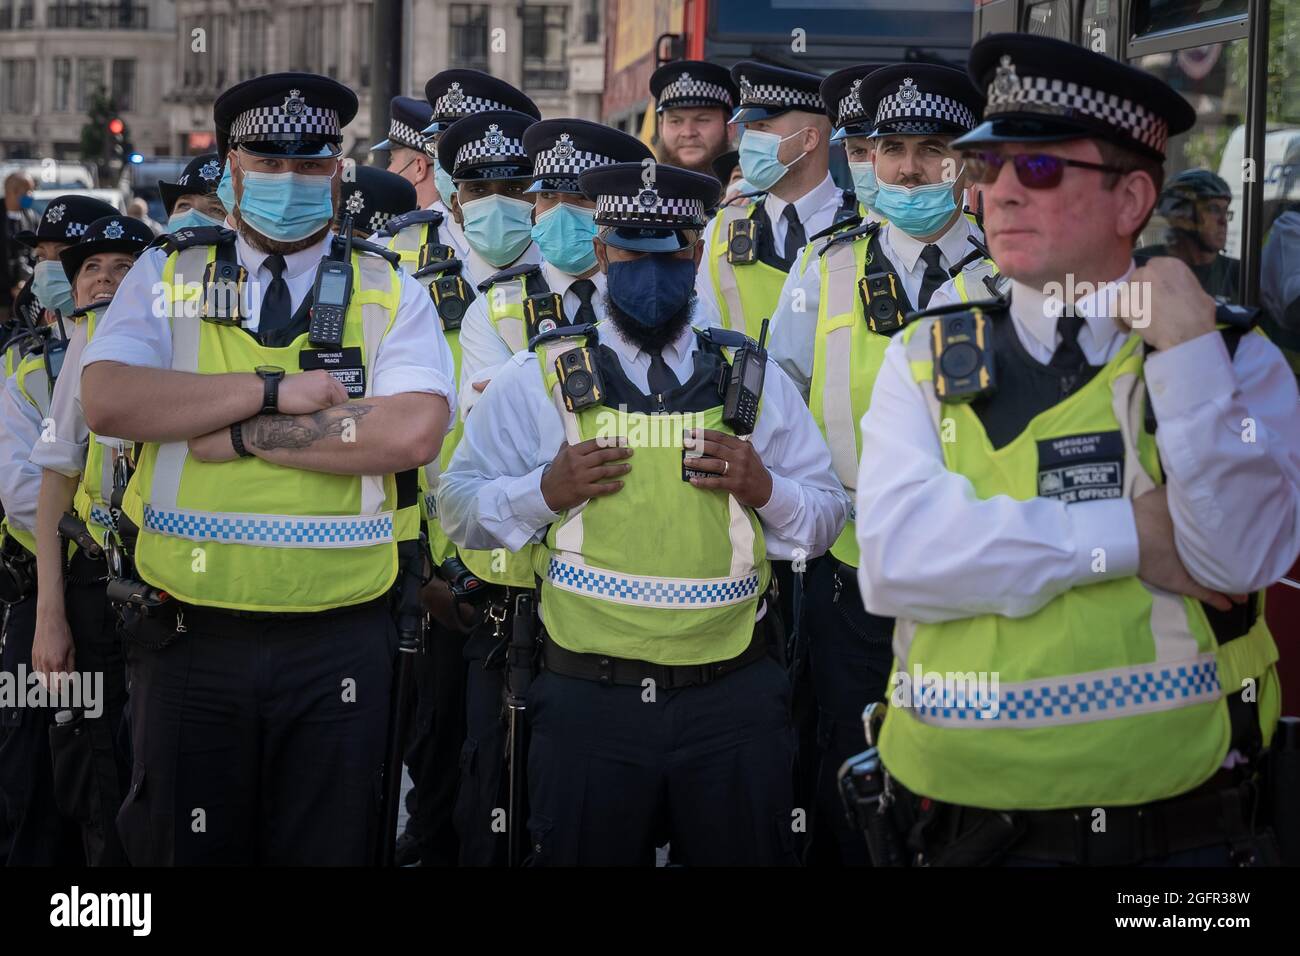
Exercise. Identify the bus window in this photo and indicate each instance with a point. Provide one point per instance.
(1154, 16)
(1205, 233)
(1050, 18)
(1279, 283)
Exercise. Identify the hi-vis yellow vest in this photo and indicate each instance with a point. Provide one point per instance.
(1110, 694)
(747, 294)
(659, 571)
(247, 534)
(91, 501)
(34, 384)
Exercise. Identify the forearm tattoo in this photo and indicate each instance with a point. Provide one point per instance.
(302, 431)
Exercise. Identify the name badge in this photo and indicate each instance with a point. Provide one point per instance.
(1086, 467)
(345, 365)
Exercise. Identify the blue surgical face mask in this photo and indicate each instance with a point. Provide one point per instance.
(226, 189)
(51, 287)
(758, 158)
(919, 210)
(864, 183)
(26, 202)
(652, 288)
(564, 234)
(286, 206)
(498, 228)
(191, 219)
(446, 188)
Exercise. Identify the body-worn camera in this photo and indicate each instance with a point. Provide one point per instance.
(742, 241)
(432, 252)
(879, 293)
(451, 297)
(464, 584)
(961, 344)
(580, 381)
(543, 311)
(223, 292)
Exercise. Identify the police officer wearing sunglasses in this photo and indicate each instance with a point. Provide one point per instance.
(1062, 526)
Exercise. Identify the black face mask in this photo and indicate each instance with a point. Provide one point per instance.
(645, 337)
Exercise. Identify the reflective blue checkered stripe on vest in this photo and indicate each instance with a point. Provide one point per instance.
(655, 592)
(292, 531)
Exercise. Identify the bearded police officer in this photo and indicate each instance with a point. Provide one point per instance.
(784, 151)
(76, 628)
(282, 412)
(658, 712)
(694, 101)
(192, 200)
(1024, 524)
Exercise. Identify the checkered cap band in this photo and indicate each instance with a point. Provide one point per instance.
(779, 96)
(686, 87)
(403, 135)
(647, 207)
(560, 161)
(273, 122)
(850, 109)
(455, 104)
(478, 151)
(1008, 94)
(911, 104)
(77, 228)
(379, 219)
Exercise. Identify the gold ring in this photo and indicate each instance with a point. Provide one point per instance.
(725, 465)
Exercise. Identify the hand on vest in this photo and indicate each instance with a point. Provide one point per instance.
(1166, 304)
(214, 446)
(741, 473)
(52, 650)
(583, 471)
(305, 392)
(1158, 562)
(437, 599)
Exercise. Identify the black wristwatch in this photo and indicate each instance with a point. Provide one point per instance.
(271, 376)
(237, 440)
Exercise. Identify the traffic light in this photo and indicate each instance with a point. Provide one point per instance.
(117, 139)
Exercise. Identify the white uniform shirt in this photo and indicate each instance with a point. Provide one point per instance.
(490, 496)
(21, 427)
(816, 209)
(476, 269)
(65, 449)
(413, 357)
(793, 332)
(933, 551)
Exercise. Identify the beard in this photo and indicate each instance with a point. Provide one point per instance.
(263, 243)
(645, 337)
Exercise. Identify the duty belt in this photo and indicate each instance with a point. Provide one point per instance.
(623, 672)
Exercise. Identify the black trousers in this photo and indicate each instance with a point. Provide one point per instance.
(39, 834)
(257, 740)
(708, 768)
(850, 653)
(481, 800)
(433, 754)
(92, 769)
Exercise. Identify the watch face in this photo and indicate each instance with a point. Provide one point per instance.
(265, 370)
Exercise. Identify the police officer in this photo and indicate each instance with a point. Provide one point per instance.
(830, 334)
(658, 714)
(694, 100)
(413, 156)
(454, 95)
(1033, 531)
(40, 834)
(1196, 207)
(274, 504)
(76, 628)
(374, 197)
(784, 151)
(192, 200)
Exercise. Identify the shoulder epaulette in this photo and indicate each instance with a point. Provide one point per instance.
(415, 217)
(852, 235)
(514, 272)
(78, 313)
(438, 266)
(725, 338)
(587, 329)
(993, 305)
(363, 245)
(1235, 316)
(196, 236)
(852, 222)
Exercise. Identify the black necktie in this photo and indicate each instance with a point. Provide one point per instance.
(661, 378)
(276, 315)
(794, 234)
(584, 289)
(1068, 357)
(935, 275)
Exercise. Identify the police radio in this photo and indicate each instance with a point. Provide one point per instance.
(331, 294)
(543, 311)
(744, 385)
(742, 241)
(879, 293)
(223, 292)
(961, 343)
(580, 381)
